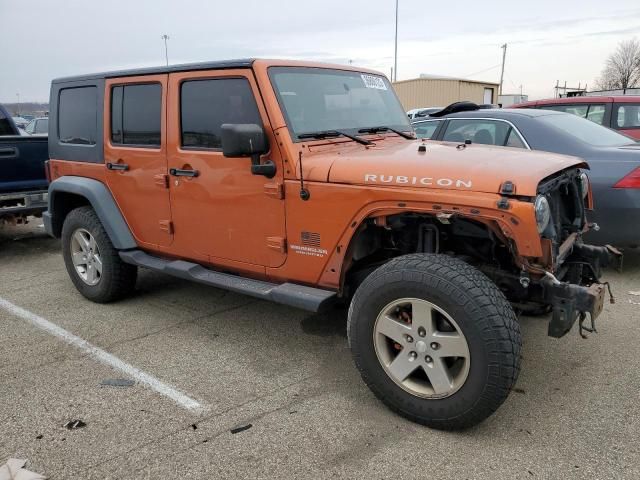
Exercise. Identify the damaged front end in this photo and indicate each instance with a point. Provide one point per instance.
(566, 281)
(579, 290)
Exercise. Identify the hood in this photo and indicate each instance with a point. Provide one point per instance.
(478, 168)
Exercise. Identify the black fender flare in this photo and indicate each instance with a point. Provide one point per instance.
(99, 197)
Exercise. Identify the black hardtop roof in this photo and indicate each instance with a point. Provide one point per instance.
(185, 67)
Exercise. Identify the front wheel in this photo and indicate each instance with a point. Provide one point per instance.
(435, 340)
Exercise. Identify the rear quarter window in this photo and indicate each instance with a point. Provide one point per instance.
(626, 115)
(78, 115)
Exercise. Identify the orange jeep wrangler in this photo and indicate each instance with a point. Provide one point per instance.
(304, 184)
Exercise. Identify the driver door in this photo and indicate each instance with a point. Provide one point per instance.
(220, 211)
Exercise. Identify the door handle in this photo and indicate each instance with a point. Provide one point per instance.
(118, 166)
(8, 152)
(177, 172)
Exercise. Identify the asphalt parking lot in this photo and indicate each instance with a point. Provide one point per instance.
(289, 375)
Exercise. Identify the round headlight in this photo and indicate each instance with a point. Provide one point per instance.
(543, 213)
(584, 184)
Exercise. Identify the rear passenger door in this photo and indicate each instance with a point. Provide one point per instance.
(136, 156)
(222, 212)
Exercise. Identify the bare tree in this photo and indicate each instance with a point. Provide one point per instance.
(622, 69)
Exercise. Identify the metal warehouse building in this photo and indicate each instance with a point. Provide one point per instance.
(438, 91)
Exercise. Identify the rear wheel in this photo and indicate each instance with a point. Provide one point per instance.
(435, 340)
(91, 260)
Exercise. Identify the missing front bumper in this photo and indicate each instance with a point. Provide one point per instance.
(570, 301)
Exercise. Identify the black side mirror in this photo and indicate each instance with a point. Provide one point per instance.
(247, 140)
(243, 140)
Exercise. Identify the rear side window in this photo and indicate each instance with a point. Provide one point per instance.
(205, 105)
(77, 116)
(136, 112)
(626, 115)
(485, 132)
(426, 129)
(579, 110)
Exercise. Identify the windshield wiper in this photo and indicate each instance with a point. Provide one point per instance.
(406, 135)
(334, 133)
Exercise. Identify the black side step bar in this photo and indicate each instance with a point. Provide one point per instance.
(299, 296)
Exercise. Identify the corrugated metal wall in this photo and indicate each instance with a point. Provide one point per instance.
(428, 92)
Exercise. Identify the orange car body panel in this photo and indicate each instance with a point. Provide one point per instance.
(140, 192)
(233, 220)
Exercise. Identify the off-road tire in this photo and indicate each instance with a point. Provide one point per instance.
(480, 310)
(118, 279)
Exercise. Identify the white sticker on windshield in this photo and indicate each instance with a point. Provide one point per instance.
(371, 81)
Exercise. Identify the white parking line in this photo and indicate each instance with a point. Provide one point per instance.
(104, 357)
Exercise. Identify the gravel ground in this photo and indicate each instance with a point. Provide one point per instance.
(289, 374)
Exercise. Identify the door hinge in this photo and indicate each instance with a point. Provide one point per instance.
(166, 226)
(162, 180)
(274, 190)
(278, 244)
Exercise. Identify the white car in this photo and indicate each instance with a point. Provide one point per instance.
(422, 112)
(38, 126)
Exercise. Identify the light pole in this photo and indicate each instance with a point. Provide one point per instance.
(395, 56)
(166, 37)
(18, 112)
(504, 55)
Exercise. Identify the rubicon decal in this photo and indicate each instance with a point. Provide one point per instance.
(426, 181)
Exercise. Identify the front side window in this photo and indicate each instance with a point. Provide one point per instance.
(136, 112)
(426, 129)
(205, 105)
(626, 115)
(319, 100)
(77, 116)
(596, 114)
(485, 132)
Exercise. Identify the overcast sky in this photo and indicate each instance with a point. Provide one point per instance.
(548, 40)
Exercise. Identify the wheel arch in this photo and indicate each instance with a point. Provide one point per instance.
(358, 232)
(69, 192)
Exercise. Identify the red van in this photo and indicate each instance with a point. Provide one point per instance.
(620, 113)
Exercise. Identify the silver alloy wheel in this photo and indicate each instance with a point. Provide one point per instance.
(421, 348)
(86, 258)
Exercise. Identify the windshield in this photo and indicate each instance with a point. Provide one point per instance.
(586, 131)
(318, 99)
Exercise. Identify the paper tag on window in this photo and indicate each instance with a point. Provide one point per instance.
(371, 81)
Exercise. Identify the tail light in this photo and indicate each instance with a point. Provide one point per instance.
(631, 180)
